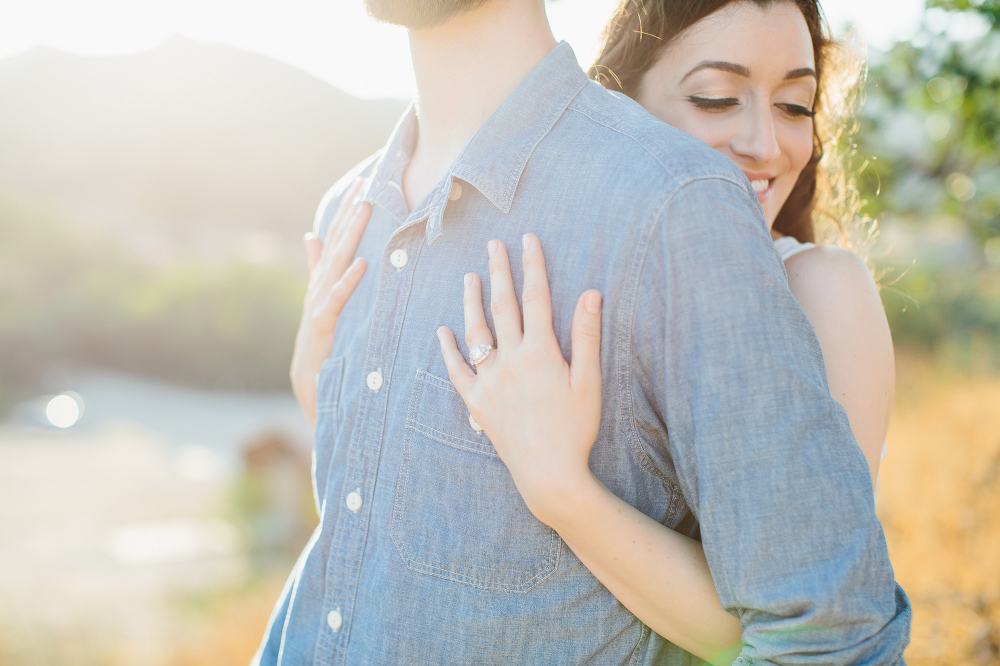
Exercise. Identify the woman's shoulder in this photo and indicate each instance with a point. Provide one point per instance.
(836, 290)
(827, 271)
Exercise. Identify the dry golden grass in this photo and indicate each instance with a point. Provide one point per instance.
(939, 501)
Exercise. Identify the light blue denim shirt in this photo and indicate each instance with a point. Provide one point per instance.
(716, 413)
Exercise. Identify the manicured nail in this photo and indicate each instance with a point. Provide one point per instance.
(493, 246)
(525, 241)
(592, 302)
(440, 333)
(468, 279)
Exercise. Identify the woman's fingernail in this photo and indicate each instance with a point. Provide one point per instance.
(525, 241)
(468, 279)
(592, 302)
(492, 247)
(440, 333)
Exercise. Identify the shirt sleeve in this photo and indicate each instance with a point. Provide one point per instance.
(763, 455)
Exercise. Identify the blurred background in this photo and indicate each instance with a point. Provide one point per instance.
(159, 163)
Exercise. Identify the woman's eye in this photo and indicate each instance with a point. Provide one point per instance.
(713, 103)
(797, 110)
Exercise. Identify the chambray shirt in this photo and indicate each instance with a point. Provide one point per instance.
(716, 414)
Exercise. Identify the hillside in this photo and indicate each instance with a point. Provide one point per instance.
(180, 146)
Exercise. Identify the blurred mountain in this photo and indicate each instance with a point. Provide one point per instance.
(180, 147)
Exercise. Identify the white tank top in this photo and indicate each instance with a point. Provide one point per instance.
(788, 246)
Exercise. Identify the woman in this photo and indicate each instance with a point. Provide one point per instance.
(744, 77)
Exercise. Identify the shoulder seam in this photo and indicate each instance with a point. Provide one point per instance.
(678, 182)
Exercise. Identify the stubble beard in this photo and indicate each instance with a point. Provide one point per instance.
(416, 14)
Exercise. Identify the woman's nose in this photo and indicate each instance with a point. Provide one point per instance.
(757, 139)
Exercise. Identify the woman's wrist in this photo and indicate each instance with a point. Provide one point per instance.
(557, 498)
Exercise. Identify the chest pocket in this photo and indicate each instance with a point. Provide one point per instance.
(456, 512)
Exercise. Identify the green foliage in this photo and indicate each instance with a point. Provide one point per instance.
(931, 124)
(70, 296)
(989, 9)
(952, 315)
(932, 119)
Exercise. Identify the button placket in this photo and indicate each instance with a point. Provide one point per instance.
(364, 449)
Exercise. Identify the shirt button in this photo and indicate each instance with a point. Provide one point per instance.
(475, 426)
(398, 258)
(375, 380)
(353, 502)
(334, 620)
(456, 191)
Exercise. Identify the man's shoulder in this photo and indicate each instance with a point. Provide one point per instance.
(328, 204)
(620, 124)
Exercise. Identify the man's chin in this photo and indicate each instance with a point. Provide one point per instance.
(416, 14)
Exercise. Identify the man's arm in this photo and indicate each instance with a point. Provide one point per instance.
(764, 456)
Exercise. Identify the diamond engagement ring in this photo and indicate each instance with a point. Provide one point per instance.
(479, 353)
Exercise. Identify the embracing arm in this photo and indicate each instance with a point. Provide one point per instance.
(334, 273)
(543, 422)
(764, 456)
(840, 298)
(661, 576)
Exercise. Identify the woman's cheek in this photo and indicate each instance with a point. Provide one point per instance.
(801, 146)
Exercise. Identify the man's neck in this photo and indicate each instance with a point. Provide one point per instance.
(465, 68)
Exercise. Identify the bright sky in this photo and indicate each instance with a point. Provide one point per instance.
(332, 39)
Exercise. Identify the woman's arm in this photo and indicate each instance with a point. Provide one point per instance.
(840, 298)
(334, 272)
(542, 416)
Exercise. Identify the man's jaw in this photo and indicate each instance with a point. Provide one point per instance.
(419, 14)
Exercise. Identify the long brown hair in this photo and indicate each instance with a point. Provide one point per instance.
(824, 195)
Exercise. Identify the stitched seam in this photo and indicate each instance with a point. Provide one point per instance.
(543, 570)
(678, 181)
(529, 148)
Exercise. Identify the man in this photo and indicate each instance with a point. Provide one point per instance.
(425, 552)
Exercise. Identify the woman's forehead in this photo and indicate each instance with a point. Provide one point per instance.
(744, 33)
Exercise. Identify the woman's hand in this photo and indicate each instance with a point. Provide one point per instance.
(333, 277)
(541, 413)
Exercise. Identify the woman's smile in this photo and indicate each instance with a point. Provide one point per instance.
(743, 80)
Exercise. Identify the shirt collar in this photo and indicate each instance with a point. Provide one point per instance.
(495, 157)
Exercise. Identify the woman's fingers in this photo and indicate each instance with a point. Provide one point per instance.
(459, 372)
(327, 308)
(314, 249)
(585, 337)
(339, 252)
(503, 301)
(535, 297)
(477, 331)
(340, 249)
(345, 211)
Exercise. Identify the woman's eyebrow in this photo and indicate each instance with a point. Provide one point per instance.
(801, 73)
(742, 70)
(722, 65)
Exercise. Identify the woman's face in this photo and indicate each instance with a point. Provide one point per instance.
(743, 81)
